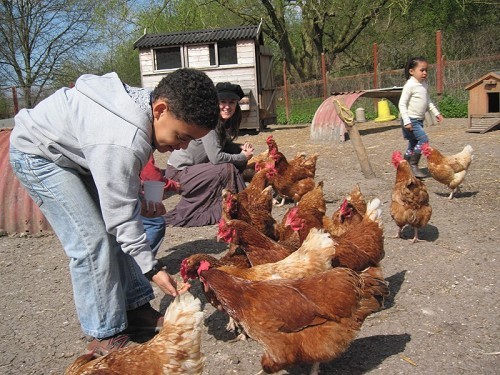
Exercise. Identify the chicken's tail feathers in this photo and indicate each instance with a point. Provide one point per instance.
(184, 323)
(469, 150)
(318, 239)
(374, 211)
(184, 309)
(373, 271)
(374, 291)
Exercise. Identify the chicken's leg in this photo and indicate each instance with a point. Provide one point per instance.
(314, 369)
(415, 238)
(453, 192)
(275, 201)
(231, 325)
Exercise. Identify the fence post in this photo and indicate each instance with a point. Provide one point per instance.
(285, 92)
(439, 65)
(375, 73)
(323, 71)
(14, 98)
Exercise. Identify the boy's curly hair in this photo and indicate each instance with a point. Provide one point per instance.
(191, 97)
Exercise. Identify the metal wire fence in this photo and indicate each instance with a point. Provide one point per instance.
(304, 98)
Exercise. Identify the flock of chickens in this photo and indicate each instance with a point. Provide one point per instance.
(301, 287)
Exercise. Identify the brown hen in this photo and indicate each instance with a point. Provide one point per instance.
(410, 199)
(292, 179)
(253, 204)
(298, 221)
(362, 245)
(258, 247)
(349, 213)
(301, 159)
(308, 320)
(448, 170)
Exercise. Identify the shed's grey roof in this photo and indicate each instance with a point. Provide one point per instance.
(197, 36)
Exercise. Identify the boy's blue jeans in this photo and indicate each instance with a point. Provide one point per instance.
(416, 138)
(106, 281)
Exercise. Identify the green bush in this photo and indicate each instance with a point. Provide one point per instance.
(452, 107)
(302, 111)
(295, 118)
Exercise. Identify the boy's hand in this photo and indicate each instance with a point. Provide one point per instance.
(168, 285)
(440, 117)
(152, 209)
(409, 127)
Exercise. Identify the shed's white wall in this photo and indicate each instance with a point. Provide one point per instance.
(198, 56)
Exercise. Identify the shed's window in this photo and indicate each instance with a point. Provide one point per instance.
(227, 52)
(211, 51)
(168, 58)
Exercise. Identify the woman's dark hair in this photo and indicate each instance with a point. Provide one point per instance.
(191, 97)
(412, 63)
(228, 130)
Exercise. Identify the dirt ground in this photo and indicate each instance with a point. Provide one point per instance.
(441, 318)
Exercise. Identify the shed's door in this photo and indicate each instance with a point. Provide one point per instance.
(267, 102)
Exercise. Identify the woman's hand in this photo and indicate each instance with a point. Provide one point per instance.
(168, 285)
(247, 146)
(152, 209)
(248, 150)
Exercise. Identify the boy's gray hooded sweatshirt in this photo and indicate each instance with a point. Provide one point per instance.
(96, 128)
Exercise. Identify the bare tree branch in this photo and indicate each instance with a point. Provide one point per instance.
(37, 36)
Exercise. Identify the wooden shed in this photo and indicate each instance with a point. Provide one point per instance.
(237, 55)
(484, 103)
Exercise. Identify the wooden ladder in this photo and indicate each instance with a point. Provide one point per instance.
(483, 123)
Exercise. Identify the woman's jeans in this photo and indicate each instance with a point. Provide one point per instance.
(416, 137)
(155, 231)
(106, 281)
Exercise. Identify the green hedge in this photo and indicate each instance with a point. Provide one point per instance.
(302, 111)
(451, 107)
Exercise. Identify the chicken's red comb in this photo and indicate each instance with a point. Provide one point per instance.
(343, 206)
(183, 269)
(225, 232)
(271, 171)
(396, 158)
(276, 155)
(290, 217)
(426, 149)
(228, 200)
(269, 139)
(263, 165)
(222, 225)
(204, 265)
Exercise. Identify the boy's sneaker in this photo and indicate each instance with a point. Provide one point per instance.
(100, 347)
(144, 318)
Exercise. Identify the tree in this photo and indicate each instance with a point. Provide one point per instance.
(185, 15)
(37, 37)
(305, 29)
